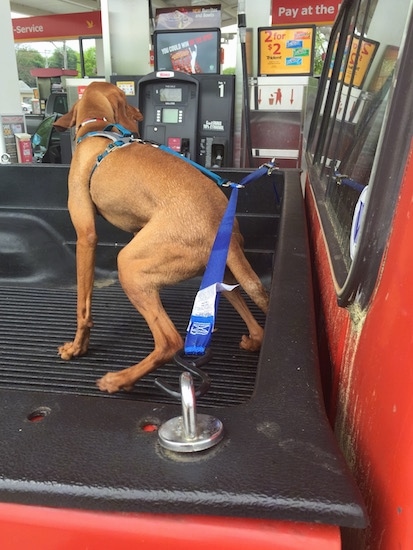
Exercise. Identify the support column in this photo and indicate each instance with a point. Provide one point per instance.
(10, 103)
(126, 37)
(258, 14)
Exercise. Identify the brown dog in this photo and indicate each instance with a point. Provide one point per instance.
(174, 212)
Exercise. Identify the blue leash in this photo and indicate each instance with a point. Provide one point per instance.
(204, 311)
(202, 320)
(222, 182)
(196, 351)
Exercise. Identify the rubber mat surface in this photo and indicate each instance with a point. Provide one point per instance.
(35, 321)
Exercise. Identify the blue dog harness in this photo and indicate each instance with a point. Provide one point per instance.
(125, 137)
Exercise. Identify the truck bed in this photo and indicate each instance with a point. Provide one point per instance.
(65, 444)
(38, 320)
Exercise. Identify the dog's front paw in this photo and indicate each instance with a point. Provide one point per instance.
(112, 382)
(69, 350)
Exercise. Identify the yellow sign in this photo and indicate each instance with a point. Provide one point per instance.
(128, 86)
(359, 61)
(285, 51)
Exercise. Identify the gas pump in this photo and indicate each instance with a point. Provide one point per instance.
(216, 120)
(186, 104)
(169, 104)
(191, 114)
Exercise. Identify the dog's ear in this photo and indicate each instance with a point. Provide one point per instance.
(117, 100)
(133, 113)
(66, 121)
(129, 117)
(124, 114)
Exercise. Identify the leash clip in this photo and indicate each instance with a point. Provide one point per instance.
(232, 184)
(271, 166)
(191, 364)
(338, 178)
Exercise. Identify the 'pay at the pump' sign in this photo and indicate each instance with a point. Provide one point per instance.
(304, 12)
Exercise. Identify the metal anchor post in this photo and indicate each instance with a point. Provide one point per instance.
(190, 432)
(188, 407)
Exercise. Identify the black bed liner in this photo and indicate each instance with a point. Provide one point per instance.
(120, 337)
(279, 458)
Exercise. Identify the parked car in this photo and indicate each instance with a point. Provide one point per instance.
(27, 108)
(45, 142)
(56, 103)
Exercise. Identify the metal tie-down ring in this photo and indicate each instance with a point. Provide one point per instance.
(190, 363)
(190, 432)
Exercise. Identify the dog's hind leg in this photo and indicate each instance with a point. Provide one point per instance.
(243, 273)
(253, 341)
(139, 275)
(239, 270)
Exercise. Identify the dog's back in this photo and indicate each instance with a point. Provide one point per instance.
(139, 182)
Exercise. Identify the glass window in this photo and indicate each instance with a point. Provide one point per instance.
(60, 105)
(350, 112)
(42, 139)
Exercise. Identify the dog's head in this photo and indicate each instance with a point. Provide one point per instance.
(101, 100)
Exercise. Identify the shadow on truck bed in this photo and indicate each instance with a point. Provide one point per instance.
(279, 458)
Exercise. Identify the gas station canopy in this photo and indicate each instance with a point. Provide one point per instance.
(49, 7)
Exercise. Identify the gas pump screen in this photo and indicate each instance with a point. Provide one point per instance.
(170, 116)
(170, 94)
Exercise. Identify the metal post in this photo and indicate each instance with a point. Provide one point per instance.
(190, 432)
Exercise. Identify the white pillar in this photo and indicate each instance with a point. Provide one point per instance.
(257, 14)
(10, 103)
(126, 37)
(100, 59)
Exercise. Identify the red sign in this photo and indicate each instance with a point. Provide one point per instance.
(81, 90)
(24, 148)
(57, 27)
(298, 12)
(188, 17)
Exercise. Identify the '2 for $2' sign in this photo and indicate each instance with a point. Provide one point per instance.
(286, 51)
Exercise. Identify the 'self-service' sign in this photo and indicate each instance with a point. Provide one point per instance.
(55, 27)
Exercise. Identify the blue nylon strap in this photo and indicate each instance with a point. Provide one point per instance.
(346, 180)
(218, 179)
(215, 270)
(262, 171)
(353, 184)
(202, 321)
